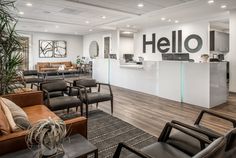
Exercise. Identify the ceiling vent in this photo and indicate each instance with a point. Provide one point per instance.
(69, 11)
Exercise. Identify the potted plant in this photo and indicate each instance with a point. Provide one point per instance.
(10, 46)
(204, 58)
(79, 61)
(48, 134)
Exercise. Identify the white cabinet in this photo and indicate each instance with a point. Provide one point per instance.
(219, 41)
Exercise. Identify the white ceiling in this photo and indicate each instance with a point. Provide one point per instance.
(70, 16)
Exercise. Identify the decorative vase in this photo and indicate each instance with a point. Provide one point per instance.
(48, 152)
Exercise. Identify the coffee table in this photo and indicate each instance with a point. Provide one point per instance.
(75, 146)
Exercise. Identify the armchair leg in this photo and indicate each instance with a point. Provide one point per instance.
(97, 105)
(87, 110)
(81, 109)
(68, 109)
(31, 86)
(111, 106)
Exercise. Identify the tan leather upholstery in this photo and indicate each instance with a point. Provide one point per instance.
(50, 66)
(26, 99)
(38, 112)
(4, 125)
(31, 102)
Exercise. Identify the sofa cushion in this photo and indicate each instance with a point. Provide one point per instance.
(67, 64)
(19, 116)
(9, 117)
(4, 125)
(38, 112)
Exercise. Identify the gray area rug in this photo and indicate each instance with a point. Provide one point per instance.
(106, 131)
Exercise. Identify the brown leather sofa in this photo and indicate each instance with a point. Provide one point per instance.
(35, 110)
(53, 66)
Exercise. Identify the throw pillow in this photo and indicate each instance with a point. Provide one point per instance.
(19, 116)
(4, 125)
(61, 67)
(9, 117)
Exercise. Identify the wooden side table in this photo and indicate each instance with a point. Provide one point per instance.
(75, 146)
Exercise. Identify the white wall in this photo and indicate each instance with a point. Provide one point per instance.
(74, 47)
(200, 28)
(126, 45)
(232, 53)
(87, 39)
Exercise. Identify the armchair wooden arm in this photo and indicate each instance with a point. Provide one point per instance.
(210, 135)
(105, 84)
(169, 126)
(46, 96)
(197, 122)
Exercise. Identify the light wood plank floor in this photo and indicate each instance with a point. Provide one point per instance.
(150, 113)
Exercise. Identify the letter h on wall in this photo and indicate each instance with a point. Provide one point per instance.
(152, 42)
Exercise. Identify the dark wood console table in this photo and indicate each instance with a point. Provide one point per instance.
(75, 146)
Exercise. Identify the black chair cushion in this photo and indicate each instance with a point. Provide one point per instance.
(186, 143)
(63, 102)
(95, 97)
(58, 85)
(55, 94)
(162, 150)
(33, 80)
(85, 82)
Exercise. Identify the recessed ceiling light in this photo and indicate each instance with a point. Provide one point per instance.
(57, 26)
(140, 5)
(169, 20)
(127, 32)
(45, 30)
(90, 30)
(211, 1)
(29, 4)
(87, 22)
(163, 19)
(176, 21)
(128, 25)
(21, 13)
(104, 17)
(223, 6)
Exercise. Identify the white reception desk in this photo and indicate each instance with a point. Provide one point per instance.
(201, 84)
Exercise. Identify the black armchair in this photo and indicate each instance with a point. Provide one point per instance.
(32, 77)
(60, 101)
(161, 149)
(90, 97)
(188, 144)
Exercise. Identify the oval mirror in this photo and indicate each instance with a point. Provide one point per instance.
(93, 49)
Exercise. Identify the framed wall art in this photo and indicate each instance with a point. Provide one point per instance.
(52, 49)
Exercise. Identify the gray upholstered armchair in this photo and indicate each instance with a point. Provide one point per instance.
(188, 144)
(60, 101)
(90, 97)
(32, 77)
(216, 149)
